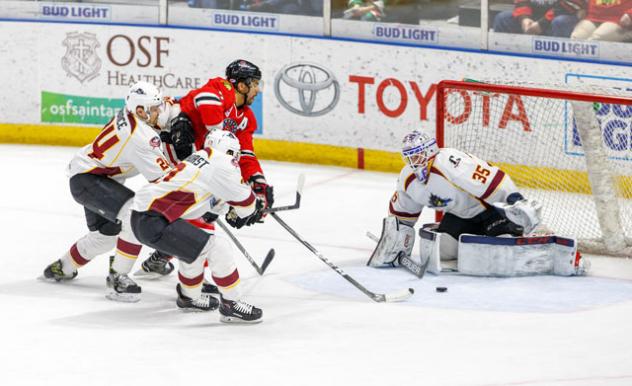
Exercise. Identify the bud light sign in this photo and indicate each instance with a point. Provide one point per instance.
(614, 120)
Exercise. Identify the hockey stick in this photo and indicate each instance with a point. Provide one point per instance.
(266, 261)
(297, 202)
(393, 297)
(411, 266)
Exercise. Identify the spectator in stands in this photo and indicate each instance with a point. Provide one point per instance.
(215, 4)
(291, 7)
(540, 17)
(609, 20)
(366, 10)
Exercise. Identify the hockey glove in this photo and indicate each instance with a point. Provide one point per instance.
(233, 219)
(525, 213)
(262, 189)
(182, 136)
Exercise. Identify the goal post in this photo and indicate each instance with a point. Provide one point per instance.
(570, 149)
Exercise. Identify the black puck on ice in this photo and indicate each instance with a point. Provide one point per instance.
(441, 289)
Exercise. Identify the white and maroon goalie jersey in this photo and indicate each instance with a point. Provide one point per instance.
(206, 178)
(125, 147)
(458, 183)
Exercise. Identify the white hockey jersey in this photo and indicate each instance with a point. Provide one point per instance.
(458, 183)
(125, 147)
(196, 185)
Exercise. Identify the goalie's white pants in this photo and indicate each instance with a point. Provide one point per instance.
(218, 252)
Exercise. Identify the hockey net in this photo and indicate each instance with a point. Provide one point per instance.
(569, 149)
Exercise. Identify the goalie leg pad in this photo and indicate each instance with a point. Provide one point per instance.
(436, 246)
(516, 256)
(397, 238)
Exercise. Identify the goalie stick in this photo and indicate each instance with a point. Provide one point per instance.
(392, 297)
(297, 202)
(266, 261)
(411, 266)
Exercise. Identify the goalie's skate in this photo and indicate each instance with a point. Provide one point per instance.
(54, 272)
(155, 266)
(239, 312)
(205, 302)
(121, 288)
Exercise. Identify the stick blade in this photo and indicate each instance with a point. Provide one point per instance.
(399, 296)
(301, 183)
(267, 261)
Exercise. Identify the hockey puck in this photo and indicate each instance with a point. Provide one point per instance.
(441, 289)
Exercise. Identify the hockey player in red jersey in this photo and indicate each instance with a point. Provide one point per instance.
(221, 104)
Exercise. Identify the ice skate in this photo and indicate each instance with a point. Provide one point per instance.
(121, 288)
(239, 312)
(206, 302)
(155, 266)
(54, 272)
(209, 289)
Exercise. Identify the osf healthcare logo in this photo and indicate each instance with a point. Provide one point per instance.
(81, 60)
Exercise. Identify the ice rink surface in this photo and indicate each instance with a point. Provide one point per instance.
(317, 329)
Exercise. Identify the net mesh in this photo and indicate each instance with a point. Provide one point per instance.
(535, 139)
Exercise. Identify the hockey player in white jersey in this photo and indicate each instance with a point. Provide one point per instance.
(207, 179)
(476, 198)
(127, 145)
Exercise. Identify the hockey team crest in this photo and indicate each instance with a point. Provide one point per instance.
(81, 60)
(438, 202)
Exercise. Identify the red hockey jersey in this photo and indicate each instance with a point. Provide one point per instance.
(212, 106)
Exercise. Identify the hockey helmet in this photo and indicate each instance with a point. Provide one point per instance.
(223, 141)
(242, 71)
(143, 94)
(417, 150)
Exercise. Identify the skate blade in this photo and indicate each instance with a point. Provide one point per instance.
(235, 320)
(190, 310)
(148, 275)
(52, 279)
(124, 298)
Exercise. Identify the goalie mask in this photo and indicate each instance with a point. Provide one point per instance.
(143, 94)
(417, 151)
(223, 141)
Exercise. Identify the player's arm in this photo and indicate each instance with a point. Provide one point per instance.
(148, 158)
(245, 207)
(211, 105)
(250, 167)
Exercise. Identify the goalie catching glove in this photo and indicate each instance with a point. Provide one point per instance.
(397, 240)
(520, 211)
(235, 221)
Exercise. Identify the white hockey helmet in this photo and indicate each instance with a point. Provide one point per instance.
(224, 141)
(417, 150)
(143, 94)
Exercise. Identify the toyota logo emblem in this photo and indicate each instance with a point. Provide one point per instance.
(307, 89)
